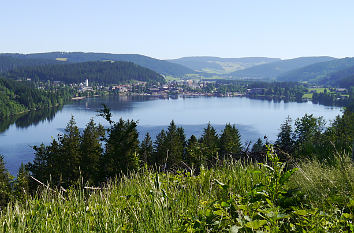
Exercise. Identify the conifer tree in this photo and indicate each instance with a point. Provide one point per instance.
(70, 155)
(285, 140)
(21, 187)
(194, 156)
(5, 188)
(230, 141)
(169, 146)
(122, 147)
(160, 153)
(210, 144)
(175, 139)
(39, 167)
(258, 146)
(146, 150)
(91, 152)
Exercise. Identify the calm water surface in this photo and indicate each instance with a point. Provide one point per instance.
(254, 118)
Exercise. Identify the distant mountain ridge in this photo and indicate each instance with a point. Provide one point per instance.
(159, 66)
(220, 65)
(323, 72)
(275, 69)
(9, 63)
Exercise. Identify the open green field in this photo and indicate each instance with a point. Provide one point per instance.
(307, 96)
(236, 196)
(170, 78)
(318, 90)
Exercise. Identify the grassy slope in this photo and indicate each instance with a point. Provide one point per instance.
(143, 203)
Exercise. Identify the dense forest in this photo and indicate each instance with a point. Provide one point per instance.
(159, 66)
(330, 99)
(213, 183)
(9, 63)
(99, 72)
(21, 96)
(342, 78)
(29, 118)
(329, 72)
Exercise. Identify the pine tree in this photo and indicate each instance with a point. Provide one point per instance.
(146, 150)
(230, 141)
(258, 146)
(91, 152)
(5, 188)
(210, 144)
(122, 146)
(175, 139)
(21, 187)
(285, 140)
(194, 156)
(39, 167)
(169, 146)
(160, 149)
(70, 155)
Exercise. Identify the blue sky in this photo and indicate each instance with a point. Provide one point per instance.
(171, 29)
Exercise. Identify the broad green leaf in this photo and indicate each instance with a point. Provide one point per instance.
(255, 224)
(301, 212)
(285, 177)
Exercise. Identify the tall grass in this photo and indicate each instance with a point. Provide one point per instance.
(144, 201)
(147, 201)
(324, 184)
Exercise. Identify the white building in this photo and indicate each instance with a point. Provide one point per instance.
(86, 83)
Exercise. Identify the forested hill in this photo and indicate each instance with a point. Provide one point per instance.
(330, 72)
(221, 65)
(342, 78)
(159, 66)
(108, 72)
(9, 62)
(18, 97)
(275, 69)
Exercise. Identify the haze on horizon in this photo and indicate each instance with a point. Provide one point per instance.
(166, 29)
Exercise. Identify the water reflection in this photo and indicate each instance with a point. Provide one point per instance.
(254, 118)
(30, 118)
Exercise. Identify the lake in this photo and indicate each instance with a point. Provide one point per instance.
(254, 118)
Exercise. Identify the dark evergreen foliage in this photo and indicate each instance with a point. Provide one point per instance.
(159, 66)
(146, 151)
(91, 152)
(210, 144)
(285, 140)
(194, 156)
(230, 141)
(5, 188)
(122, 147)
(9, 62)
(258, 146)
(19, 97)
(170, 146)
(99, 72)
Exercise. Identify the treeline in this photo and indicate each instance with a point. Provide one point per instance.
(330, 99)
(30, 118)
(19, 97)
(108, 72)
(287, 91)
(9, 62)
(97, 155)
(74, 154)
